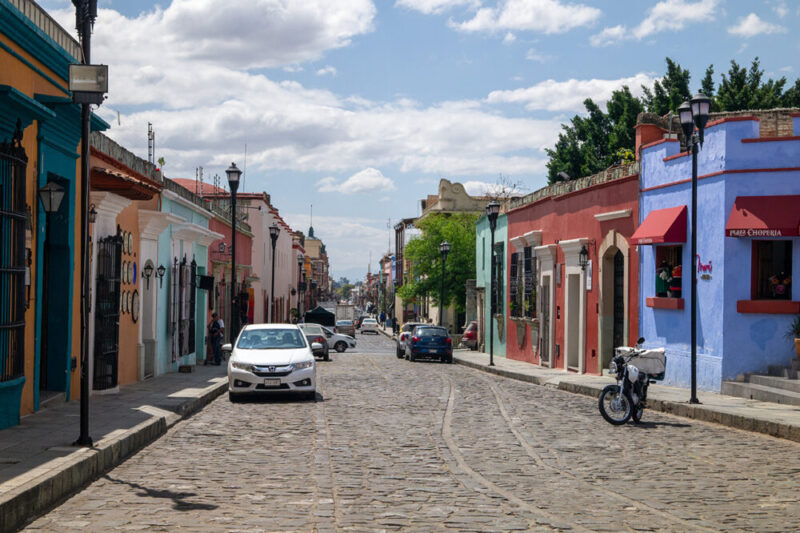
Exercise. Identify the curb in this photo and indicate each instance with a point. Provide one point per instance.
(48, 485)
(685, 410)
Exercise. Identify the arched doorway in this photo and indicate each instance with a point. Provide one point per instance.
(614, 290)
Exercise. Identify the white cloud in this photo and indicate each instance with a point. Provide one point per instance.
(666, 15)
(509, 38)
(780, 8)
(367, 180)
(544, 16)
(533, 55)
(752, 25)
(430, 7)
(609, 36)
(483, 188)
(787, 68)
(327, 70)
(551, 95)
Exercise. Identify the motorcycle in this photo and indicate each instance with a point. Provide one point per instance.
(635, 368)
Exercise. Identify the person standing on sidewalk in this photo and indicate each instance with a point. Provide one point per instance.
(216, 330)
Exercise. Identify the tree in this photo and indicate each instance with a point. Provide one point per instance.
(426, 261)
(669, 92)
(344, 290)
(743, 89)
(591, 144)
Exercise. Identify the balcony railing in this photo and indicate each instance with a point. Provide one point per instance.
(49, 26)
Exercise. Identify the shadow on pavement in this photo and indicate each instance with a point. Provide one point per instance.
(651, 425)
(178, 498)
(278, 397)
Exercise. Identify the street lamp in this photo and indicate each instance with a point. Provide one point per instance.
(313, 293)
(160, 271)
(274, 231)
(147, 272)
(694, 113)
(444, 249)
(492, 210)
(233, 182)
(299, 281)
(583, 257)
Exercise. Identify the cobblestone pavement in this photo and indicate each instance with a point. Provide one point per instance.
(392, 445)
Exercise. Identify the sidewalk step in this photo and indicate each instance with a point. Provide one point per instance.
(761, 393)
(775, 382)
(783, 371)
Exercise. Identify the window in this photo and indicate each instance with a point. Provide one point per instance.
(772, 270)
(529, 266)
(271, 339)
(669, 270)
(515, 306)
(498, 277)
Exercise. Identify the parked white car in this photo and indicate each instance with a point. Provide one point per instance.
(337, 341)
(271, 358)
(369, 324)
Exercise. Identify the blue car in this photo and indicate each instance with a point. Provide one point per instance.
(430, 342)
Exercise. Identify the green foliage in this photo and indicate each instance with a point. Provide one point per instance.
(794, 329)
(597, 140)
(590, 144)
(344, 290)
(669, 92)
(426, 261)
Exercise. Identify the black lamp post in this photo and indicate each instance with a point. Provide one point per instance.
(299, 281)
(233, 182)
(492, 210)
(313, 293)
(160, 273)
(583, 257)
(274, 232)
(694, 113)
(444, 249)
(85, 15)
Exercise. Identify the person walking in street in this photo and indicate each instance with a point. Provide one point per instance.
(216, 330)
(383, 319)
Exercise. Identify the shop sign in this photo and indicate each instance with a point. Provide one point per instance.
(752, 232)
(703, 270)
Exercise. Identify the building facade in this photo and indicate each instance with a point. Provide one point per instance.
(748, 251)
(483, 283)
(573, 272)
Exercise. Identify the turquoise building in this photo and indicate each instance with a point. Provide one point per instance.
(483, 257)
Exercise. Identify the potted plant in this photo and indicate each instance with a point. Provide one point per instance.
(794, 333)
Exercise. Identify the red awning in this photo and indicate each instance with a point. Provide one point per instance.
(662, 225)
(764, 216)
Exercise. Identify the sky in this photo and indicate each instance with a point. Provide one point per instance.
(360, 107)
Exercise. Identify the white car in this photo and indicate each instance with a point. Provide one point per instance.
(369, 324)
(337, 341)
(271, 358)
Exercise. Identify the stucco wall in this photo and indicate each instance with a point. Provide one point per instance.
(729, 342)
(483, 239)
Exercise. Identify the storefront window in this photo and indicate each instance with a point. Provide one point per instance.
(669, 270)
(529, 303)
(514, 292)
(772, 261)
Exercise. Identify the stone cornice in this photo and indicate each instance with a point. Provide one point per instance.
(109, 204)
(152, 223)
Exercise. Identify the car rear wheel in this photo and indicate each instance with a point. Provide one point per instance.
(399, 352)
(326, 356)
(340, 346)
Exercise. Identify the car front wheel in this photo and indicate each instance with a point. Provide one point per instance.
(340, 346)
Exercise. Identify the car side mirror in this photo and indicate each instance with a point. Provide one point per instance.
(227, 347)
(315, 346)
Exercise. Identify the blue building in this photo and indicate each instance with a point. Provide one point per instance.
(748, 250)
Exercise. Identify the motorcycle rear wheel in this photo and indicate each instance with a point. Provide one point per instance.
(615, 413)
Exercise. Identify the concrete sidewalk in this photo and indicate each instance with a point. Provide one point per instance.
(39, 467)
(777, 420)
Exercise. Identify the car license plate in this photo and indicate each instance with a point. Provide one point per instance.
(272, 382)
(432, 350)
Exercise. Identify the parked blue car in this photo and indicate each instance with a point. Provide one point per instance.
(430, 342)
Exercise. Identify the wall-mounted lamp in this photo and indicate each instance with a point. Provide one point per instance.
(51, 195)
(160, 273)
(583, 257)
(147, 271)
(92, 214)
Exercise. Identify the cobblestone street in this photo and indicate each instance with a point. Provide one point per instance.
(393, 445)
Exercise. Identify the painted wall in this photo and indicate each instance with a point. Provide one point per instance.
(729, 342)
(483, 239)
(572, 216)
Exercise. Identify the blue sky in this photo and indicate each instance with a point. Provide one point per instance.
(359, 107)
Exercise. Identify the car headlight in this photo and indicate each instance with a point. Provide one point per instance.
(303, 364)
(242, 366)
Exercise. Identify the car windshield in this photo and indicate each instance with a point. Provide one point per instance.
(430, 332)
(370, 321)
(344, 323)
(271, 339)
(409, 327)
(311, 329)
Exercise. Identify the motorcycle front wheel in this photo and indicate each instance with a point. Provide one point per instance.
(615, 405)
